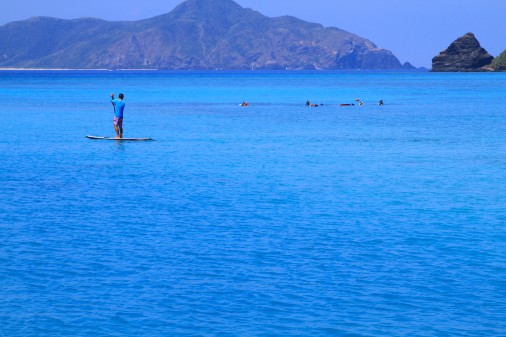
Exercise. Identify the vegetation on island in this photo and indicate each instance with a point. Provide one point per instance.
(499, 63)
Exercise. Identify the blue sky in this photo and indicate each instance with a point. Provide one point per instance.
(414, 30)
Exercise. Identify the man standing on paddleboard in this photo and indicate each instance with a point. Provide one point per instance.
(119, 106)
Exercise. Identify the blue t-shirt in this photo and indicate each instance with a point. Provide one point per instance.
(119, 106)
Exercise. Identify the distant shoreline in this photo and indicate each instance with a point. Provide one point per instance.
(71, 69)
(224, 70)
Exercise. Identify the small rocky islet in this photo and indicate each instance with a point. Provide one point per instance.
(467, 55)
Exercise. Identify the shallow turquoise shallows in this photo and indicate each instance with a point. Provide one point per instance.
(269, 220)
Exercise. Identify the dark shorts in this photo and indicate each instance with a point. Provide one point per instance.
(118, 121)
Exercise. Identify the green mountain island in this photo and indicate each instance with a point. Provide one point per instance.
(197, 34)
(499, 63)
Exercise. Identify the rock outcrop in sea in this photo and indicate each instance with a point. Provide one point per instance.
(464, 55)
(197, 34)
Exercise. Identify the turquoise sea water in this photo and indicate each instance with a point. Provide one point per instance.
(270, 220)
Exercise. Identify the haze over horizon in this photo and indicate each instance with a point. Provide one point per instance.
(414, 33)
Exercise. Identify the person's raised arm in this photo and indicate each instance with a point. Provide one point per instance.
(112, 102)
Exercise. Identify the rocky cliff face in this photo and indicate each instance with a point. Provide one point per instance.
(464, 54)
(198, 34)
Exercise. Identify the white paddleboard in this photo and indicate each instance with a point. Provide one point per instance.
(118, 139)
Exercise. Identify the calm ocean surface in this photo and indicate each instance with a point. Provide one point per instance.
(270, 220)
